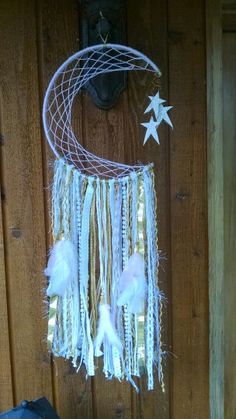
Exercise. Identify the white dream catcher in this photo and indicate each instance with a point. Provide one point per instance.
(103, 267)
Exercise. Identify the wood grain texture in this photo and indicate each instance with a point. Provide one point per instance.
(58, 39)
(104, 134)
(215, 207)
(37, 36)
(187, 92)
(23, 205)
(228, 15)
(6, 387)
(149, 35)
(229, 147)
(117, 135)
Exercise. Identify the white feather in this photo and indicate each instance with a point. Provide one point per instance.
(61, 268)
(106, 330)
(132, 285)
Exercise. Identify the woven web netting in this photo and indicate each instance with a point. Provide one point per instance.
(66, 84)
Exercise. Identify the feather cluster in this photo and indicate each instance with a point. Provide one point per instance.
(106, 330)
(61, 268)
(132, 285)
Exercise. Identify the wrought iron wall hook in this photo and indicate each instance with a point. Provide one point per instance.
(104, 21)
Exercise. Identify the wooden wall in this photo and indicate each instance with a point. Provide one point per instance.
(229, 137)
(37, 36)
(215, 206)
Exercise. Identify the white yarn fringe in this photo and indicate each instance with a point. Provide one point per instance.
(128, 297)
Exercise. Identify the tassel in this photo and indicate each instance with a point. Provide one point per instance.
(61, 268)
(106, 330)
(132, 285)
(121, 216)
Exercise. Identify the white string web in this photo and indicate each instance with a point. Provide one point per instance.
(66, 84)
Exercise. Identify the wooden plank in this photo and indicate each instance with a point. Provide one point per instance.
(23, 204)
(6, 389)
(118, 136)
(229, 21)
(147, 31)
(215, 206)
(229, 147)
(229, 16)
(228, 5)
(104, 135)
(187, 92)
(58, 39)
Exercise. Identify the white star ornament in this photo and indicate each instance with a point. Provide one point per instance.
(151, 130)
(154, 104)
(163, 115)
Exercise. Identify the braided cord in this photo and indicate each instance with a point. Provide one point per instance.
(151, 279)
(159, 298)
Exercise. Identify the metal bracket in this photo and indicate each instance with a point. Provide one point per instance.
(104, 22)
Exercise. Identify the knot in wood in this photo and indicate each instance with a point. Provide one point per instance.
(16, 232)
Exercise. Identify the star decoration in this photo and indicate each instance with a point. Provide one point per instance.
(160, 112)
(162, 115)
(154, 104)
(151, 130)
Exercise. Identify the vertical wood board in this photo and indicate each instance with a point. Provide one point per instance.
(215, 206)
(229, 153)
(6, 388)
(23, 204)
(58, 28)
(150, 37)
(188, 194)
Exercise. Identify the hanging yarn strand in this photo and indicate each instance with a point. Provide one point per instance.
(104, 296)
(120, 214)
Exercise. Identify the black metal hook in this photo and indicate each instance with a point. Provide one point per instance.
(104, 22)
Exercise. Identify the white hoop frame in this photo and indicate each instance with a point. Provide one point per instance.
(59, 97)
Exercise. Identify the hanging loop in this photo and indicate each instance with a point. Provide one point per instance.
(103, 28)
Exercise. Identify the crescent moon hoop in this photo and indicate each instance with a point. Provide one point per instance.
(66, 83)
